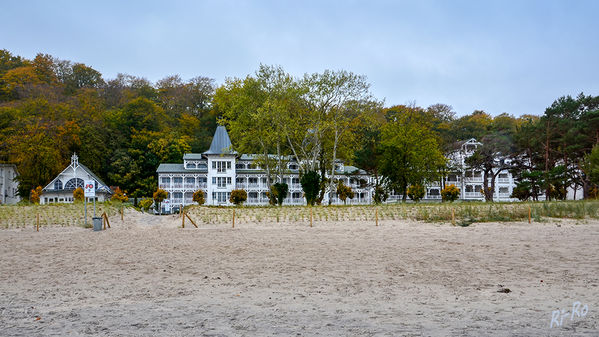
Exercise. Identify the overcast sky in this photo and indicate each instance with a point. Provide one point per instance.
(497, 56)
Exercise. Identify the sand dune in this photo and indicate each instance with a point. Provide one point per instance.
(147, 277)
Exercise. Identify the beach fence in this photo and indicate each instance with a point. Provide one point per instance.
(60, 215)
(453, 213)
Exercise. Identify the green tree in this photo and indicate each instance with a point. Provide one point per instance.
(410, 153)
(310, 182)
(344, 192)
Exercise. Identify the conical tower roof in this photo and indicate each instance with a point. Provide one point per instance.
(221, 144)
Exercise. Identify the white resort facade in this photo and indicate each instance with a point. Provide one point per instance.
(220, 170)
(8, 185)
(60, 189)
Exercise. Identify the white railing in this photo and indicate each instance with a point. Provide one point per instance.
(473, 179)
(177, 185)
(434, 197)
(190, 185)
(503, 180)
(241, 186)
(177, 201)
(296, 186)
(165, 185)
(473, 195)
(203, 185)
(253, 185)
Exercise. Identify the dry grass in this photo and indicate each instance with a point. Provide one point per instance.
(52, 215)
(438, 212)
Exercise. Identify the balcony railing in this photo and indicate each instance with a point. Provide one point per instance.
(190, 185)
(177, 201)
(503, 180)
(177, 185)
(165, 185)
(473, 194)
(434, 197)
(241, 186)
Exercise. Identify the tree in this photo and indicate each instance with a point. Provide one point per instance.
(409, 151)
(278, 193)
(78, 194)
(416, 192)
(35, 195)
(238, 197)
(491, 158)
(380, 194)
(310, 182)
(119, 195)
(159, 197)
(198, 196)
(450, 193)
(344, 192)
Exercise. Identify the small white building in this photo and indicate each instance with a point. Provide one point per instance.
(8, 185)
(61, 188)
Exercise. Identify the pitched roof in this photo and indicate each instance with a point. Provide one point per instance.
(221, 144)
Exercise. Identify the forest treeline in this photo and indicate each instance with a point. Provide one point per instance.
(123, 128)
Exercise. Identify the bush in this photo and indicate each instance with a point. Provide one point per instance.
(78, 194)
(450, 193)
(416, 192)
(344, 192)
(310, 182)
(380, 194)
(521, 192)
(35, 195)
(146, 203)
(159, 197)
(278, 192)
(198, 196)
(119, 195)
(238, 197)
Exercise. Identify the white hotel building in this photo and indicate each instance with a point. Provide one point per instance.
(220, 170)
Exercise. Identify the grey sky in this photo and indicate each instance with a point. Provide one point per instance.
(498, 56)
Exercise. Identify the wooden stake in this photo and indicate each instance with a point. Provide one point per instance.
(106, 218)
(233, 218)
(453, 216)
(103, 222)
(190, 219)
(376, 215)
(122, 211)
(529, 213)
(181, 210)
(311, 216)
(38, 222)
(183, 221)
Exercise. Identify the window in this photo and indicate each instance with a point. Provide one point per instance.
(293, 167)
(433, 191)
(504, 190)
(221, 166)
(221, 182)
(240, 166)
(452, 177)
(166, 180)
(502, 175)
(74, 184)
(202, 166)
(191, 165)
(58, 184)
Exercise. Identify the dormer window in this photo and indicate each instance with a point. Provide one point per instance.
(58, 184)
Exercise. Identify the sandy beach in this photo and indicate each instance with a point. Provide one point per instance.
(147, 277)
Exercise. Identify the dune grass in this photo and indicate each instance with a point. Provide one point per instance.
(465, 212)
(21, 216)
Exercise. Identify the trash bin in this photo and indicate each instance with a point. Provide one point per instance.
(97, 221)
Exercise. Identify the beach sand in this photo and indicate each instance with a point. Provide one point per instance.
(147, 277)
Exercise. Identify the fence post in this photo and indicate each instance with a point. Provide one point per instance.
(233, 218)
(183, 221)
(37, 222)
(122, 211)
(529, 211)
(376, 214)
(311, 216)
(453, 216)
